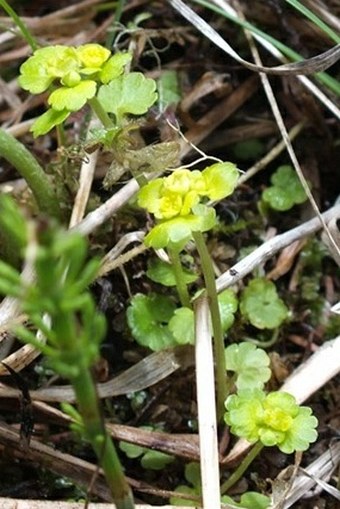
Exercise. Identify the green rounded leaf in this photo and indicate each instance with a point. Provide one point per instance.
(249, 500)
(286, 190)
(148, 317)
(163, 273)
(261, 305)
(131, 450)
(128, 94)
(156, 460)
(183, 502)
(251, 364)
(182, 326)
(228, 304)
(72, 98)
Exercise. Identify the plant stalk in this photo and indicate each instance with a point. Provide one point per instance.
(88, 406)
(101, 114)
(87, 402)
(23, 161)
(235, 476)
(179, 277)
(209, 278)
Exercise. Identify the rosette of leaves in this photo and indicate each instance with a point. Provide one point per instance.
(250, 365)
(178, 202)
(261, 305)
(272, 419)
(286, 190)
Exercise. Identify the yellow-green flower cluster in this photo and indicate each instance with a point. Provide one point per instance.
(75, 70)
(177, 194)
(175, 201)
(273, 419)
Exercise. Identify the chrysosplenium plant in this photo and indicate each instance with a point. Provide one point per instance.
(272, 419)
(177, 202)
(263, 419)
(181, 205)
(85, 74)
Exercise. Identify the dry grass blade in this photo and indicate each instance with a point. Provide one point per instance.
(285, 137)
(309, 66)
(320, 469)
(11, 503)
(149, 371)
(270, 248)
(217, 39)
(206, 407)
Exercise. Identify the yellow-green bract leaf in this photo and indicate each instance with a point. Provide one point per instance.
(114, 67)
(72, 99)
(178, 231)
(128, 94)
(47, 121)
(220, 179)
(261, 305)
(34, 75)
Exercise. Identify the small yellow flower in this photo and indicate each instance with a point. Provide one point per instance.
(178, 182)
(92, 56)
(169, 206)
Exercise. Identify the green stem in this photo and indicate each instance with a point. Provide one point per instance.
(20, 24)
(100, 440)
(99, 111)
(235, 476)
(29, 168)
(88, 406)
(209, 278)
(179, 277)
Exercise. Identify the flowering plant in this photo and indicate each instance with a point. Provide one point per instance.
(272, 419)
(175, 202)
(76, 71)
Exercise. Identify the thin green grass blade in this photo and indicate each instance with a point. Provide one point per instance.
(315, 19)
(20, 24)
(330, 82)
